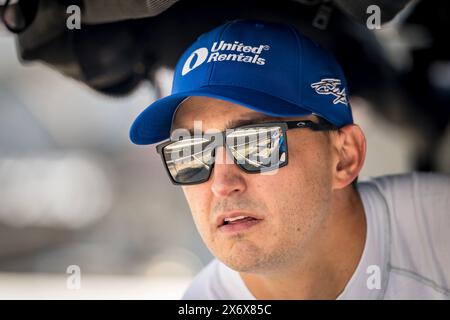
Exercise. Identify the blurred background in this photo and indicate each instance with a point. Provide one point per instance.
(75, 191)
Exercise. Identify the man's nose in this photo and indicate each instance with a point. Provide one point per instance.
(227, 178)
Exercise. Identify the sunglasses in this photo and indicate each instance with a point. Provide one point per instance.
(254, 148)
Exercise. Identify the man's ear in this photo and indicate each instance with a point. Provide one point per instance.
(349, 154)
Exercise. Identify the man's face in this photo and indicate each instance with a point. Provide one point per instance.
(290, 205)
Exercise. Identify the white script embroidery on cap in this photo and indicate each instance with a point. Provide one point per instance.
(331, 86)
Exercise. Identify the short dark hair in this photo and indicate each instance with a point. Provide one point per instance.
(326, 123)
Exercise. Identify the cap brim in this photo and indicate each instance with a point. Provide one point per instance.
(154, 123)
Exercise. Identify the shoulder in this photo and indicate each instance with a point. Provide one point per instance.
(418, 223)
(418, 195)
(419, 184)
(418, 203)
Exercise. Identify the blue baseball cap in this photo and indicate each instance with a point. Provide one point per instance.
(265, 66)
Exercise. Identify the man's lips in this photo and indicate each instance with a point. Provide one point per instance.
(236, 221)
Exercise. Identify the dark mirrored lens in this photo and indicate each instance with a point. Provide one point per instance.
(189, 160)
(258, 149)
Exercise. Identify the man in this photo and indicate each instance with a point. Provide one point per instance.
(263, 143)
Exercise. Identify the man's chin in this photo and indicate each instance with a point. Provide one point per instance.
(244, 256)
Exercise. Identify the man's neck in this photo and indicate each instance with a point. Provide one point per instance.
(329, 261)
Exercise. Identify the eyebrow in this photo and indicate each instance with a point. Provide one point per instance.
(243, 122)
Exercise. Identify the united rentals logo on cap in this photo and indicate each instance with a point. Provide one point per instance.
(239, 53)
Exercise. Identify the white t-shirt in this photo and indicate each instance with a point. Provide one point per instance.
(406, 253)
